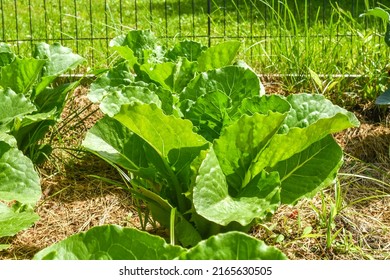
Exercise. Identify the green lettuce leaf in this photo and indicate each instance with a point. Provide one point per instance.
(171, 76)
(11, 221)
(231, 81)
(143, 45)
(307, 109)
(21, 74)
(19, 185)
(115, 143)
(311, 119)
(128, 54)
(59, 59)
(306, 172)
(232, 246)
(117, 77)
(173, 144)
(18, 180)
(212, 200)
(112, 103)
(240, 144)
(110, 242)
(189, 49)
(212, 99)
(169, 135)
(218, 56)
(13, 105)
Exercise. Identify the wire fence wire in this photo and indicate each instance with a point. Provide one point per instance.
(271, 31)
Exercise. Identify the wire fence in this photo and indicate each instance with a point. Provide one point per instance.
(271, 31)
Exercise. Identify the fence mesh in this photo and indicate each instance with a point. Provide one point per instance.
(269, 29)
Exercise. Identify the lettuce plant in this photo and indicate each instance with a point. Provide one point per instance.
(30, 101)
(29, 104)
(197, 139)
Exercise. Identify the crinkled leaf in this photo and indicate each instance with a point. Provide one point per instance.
(9, 139)
(11, 222)
(59, 59)
(307, 109)
(233, 81)
(212, 200)
(232, 246)
(241, 142)
(111, 242)
(112, 103)
(171, 76)
(18, 178)
(188, 49)
(21, 74)
(13, 105)
(306, 172)
(142, 43)
(214, 111)
(218, 56)
(118, 76)
(212, 98)
(311, 118)
(209, 114)
(167, 98)
(261, 104)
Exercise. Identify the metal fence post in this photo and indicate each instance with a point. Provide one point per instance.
(209, 21)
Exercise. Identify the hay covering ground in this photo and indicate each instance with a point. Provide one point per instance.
(72, 201)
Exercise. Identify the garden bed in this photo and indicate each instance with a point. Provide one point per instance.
(73, 202)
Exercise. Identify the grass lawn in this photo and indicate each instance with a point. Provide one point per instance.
(279, 37)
